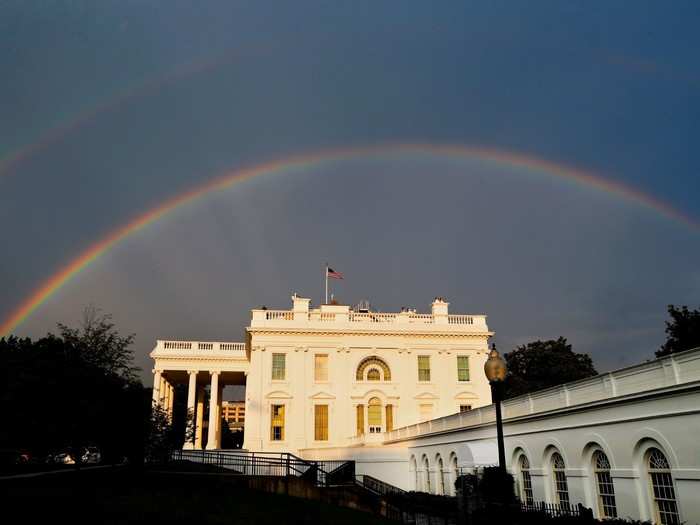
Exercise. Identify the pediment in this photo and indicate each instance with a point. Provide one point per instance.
(278, 394)
(322, 395)
(466, 395)
(425, 395)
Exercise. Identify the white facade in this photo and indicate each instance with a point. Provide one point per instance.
(363, 367)
(622, 417)
(342, 378)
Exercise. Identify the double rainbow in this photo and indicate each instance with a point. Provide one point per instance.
(290, 164)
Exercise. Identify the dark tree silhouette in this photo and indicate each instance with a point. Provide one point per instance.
(682, 331)
(65, 392)
(100, 345)
(542, 364)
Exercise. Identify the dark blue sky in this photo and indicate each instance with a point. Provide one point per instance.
(157, 97)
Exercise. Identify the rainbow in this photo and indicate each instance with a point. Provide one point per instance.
(306, 161)
(151, 84)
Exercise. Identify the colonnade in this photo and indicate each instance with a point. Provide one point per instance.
(164, 396)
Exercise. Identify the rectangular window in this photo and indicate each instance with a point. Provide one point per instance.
(426, 412)
(462, 368)
(389, 418)
(320, 367)
(321, 422)
(465, 408)
(277, 423)
(423, 368)
(279, 362)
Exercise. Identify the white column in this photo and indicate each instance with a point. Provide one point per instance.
(218, 416)
(213, 410)
(161, 390)
(171, 399)
(191, 401)
(156, 387)
(166, 397)
(200, 419)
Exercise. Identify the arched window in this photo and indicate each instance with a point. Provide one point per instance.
(372, 363)
(441, 476)
(525, 480)
(414, 468)
(661, 482)
(455, 472)
(374, 415)
(604, 485)
(561, 487)
(426, 471)
(373, 374)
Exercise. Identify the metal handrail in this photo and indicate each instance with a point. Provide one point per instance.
(321, 473)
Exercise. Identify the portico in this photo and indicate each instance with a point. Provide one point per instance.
(198, 364)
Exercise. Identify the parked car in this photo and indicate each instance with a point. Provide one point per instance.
(64, 458)
(91, 456)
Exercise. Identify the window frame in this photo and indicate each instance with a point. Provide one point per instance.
(604, 485)
(283, 408)
(374, 414)
(560, 483)
(425, 371)
(664, 474)
(321, 432)
(525, 479)
(274, 369)
(317, 379)
(459, 369)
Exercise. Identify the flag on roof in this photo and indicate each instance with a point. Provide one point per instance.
(333, 274)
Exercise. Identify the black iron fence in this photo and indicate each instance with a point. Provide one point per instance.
(320, 473)
(557, 510)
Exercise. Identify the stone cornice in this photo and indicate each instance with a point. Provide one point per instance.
(390, 333)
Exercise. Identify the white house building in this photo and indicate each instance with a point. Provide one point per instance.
(404, 396)
(331, 376)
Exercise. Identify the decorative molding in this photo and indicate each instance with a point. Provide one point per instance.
(392, 333)
(322, 395)
(278, 394)
(426, 395)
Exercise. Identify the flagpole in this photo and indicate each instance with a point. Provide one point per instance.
(326, 283)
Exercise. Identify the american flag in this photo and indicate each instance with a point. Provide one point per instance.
(333, 274)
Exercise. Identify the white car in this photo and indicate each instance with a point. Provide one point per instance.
(91, 455)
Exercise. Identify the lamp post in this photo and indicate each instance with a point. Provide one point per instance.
(495, 369)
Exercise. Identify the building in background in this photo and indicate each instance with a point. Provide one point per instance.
(233, 412)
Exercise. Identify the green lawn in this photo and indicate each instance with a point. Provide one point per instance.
(124, 496)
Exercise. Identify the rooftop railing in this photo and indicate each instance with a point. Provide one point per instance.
(205, 346)
(368, 318)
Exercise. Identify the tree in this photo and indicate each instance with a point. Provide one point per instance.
(73, 390)
(682, 331)
(542, 364)
(101, 345)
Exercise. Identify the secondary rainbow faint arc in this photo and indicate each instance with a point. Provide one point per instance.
(289, 164)
(151, 84)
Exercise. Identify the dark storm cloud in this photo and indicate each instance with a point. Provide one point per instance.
(544, 78)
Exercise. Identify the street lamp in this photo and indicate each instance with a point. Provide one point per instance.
(495, 369)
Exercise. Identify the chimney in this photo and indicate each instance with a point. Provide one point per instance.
(440, 310)
(300, 307)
